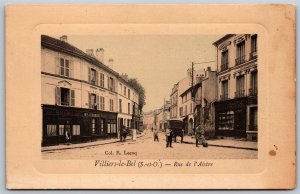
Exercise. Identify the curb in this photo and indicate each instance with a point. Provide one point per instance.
(84, 146)
(224, 146)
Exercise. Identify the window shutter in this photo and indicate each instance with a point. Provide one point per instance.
(58, 95)
(72, 98)
(108, 84)
(71, 68)
(97, 78)
(89, 75)
(97, 101)
(90, 103)
(57, 66)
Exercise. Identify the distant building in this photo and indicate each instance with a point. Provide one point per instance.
(204, 92)
(236, 106)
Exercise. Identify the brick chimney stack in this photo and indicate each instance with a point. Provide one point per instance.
(90, 52)
(64, 38)
(100, 54)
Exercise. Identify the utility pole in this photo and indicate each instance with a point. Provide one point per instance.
(193, 80)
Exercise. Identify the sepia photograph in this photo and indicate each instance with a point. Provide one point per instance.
(117, 97)
(149, 97)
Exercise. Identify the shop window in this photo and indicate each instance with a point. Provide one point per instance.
(51, 130)
(61, 130)
(65, 97)
(253, 119)
(101, 126)
(93, 125)
(76, 130)
(226, 120)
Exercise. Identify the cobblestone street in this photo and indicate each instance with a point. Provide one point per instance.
(146, 148)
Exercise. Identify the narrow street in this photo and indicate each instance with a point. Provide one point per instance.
(146, 148)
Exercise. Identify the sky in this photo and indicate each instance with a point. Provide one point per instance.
(157, 61)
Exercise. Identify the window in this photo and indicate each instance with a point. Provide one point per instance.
(111, 84)
(64, 67)
(61, 130)
(93, 126)
(111, 105)
(226, 120)
(93, 101)
(93, 76)
(76, 130)
(224, 91)
(111, 126)
(191, 108)
(224, 60)
(101, 126)
(121, 88)
(180, 111)
(239, 87)
(102, 102)
(253, 53)
(65, 97)
(51, 130)
(128, 93)
(120, 105)
(253, 119)
(101, 80)
(240, 53)
(128, 108)
(253, 84)
(124, 90)
(185, 110)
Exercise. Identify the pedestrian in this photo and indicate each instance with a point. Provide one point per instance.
(68, 136)
(169, 137)
(197, 136)
(155, 133)
(182, 134)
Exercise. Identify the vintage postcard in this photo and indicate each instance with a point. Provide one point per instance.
(114, 97)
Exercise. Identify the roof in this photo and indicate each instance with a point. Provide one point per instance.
(67, 48)
(222, 39)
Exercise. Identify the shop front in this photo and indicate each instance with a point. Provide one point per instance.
(82, 124)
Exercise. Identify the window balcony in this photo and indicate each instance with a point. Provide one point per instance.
(240, 60)
(252, 91)
(224, 66)
(224, 97)
(240, 94)
(253, 55)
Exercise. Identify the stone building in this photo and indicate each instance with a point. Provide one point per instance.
(80, 94)
(236, 106)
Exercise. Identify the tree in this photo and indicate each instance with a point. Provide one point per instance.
(135, 84)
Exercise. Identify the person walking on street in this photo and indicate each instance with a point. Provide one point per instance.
(169, 137)
(68, 136)
(155, 133)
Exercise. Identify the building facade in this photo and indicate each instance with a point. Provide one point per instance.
(236, 106)
(79, 94)
(174, 102)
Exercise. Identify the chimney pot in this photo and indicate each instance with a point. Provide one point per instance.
(90, 52)
(64, 38)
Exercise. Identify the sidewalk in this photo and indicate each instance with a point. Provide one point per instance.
(88, 144)
(227, 143)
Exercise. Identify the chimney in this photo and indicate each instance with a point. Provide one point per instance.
(90, 52)
(124, 76)
(64, 38)
(100, 54)
(111, 63)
